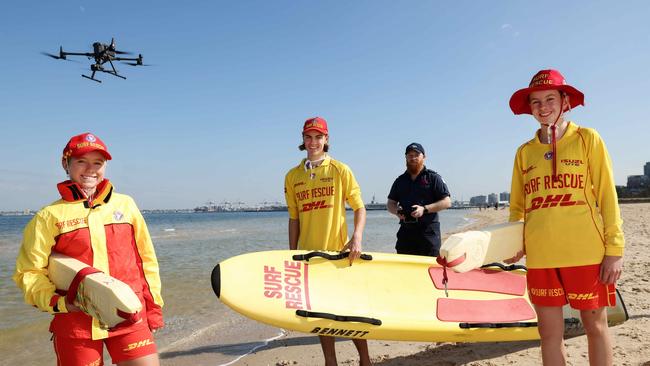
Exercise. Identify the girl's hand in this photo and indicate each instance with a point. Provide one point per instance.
(72, 308)
(611, 269)
(520, 254)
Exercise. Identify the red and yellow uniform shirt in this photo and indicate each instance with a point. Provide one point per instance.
(109, 234)
(575, 219)
(316, 197)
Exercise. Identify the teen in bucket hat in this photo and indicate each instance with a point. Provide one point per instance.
(545, 80)
(563, 189)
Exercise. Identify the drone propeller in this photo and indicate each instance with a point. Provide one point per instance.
(135, 64)
(51, 55)
(112, 48)
(60, 56)
(138, 62)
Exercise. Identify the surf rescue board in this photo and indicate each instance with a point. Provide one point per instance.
(381, 296)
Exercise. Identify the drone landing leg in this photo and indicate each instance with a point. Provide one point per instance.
(114, 72)
(91, 78)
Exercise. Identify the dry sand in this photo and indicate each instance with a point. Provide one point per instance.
(631, 339)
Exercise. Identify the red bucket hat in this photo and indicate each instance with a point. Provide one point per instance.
(83, 144)
(545, 80)
(315, 124)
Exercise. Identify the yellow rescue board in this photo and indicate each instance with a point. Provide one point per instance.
(99, 295)
(385, 296)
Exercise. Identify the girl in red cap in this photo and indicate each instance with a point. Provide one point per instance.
(563, 188)
(105, 230)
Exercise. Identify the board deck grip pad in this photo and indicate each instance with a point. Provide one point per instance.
(484, 311)
(481, 280)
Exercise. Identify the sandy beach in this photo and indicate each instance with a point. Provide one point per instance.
(631, 339)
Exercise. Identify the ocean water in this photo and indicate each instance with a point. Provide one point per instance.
(188, 246)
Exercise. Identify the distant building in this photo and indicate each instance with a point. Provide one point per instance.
(638, 181)
(478, 201)
(504, 196)
(492, 198)
(457, 203)
(637, 185)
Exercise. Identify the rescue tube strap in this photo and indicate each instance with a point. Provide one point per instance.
(74, 285)
(340, 318)
(129, 318)
(443, 262)
(331, 257)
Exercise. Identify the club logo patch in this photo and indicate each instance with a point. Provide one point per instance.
(548, 155)
(91, 138)
(118, 216)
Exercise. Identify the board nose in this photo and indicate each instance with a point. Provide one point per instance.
(216, 280)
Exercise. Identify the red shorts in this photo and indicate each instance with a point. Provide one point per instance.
(88, 352)
(580, 286)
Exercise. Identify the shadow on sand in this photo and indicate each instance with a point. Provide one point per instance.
(449, 354)
(238, 349)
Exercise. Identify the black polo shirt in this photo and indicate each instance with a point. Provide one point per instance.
(428, 187)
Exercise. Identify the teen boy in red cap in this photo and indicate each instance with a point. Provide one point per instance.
(316, 191)
(563, 189)
(105, 230)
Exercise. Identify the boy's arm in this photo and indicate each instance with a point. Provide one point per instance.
(354, 245)
(294, 233)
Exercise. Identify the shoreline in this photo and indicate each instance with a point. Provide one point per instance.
(631, 343)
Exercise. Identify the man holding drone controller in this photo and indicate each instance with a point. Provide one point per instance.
(416, 197)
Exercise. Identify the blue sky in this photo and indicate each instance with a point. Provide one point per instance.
(218, 116)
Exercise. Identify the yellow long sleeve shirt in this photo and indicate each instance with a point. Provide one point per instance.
(575, 219)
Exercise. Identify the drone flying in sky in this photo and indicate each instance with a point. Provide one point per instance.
(102, 53)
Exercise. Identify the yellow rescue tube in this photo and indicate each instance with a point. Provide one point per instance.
(475, 248)
(99, 295)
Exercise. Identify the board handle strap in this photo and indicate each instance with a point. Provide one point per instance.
(497, 325)
(339, 318)
(503, 267)
(332, 257)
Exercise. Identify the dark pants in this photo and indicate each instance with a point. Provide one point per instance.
(419, 239)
